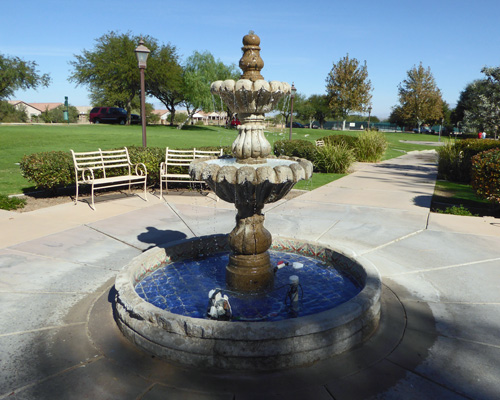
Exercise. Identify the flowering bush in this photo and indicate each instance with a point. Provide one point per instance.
(455, 159)
(486, 175)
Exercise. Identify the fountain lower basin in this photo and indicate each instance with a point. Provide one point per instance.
(272, 345)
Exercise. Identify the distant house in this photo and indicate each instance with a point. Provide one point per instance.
(83, 114)
(34, 109)
(212, 118)
(163, 114)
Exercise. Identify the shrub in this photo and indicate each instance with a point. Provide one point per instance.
(151, 157)
(11, 203)
(455, 160)
(370, 146)
(486, 175)
(456, 210)
(349, 141)
(334, 158)
(295, 148)
(9, 113)
(48, 170)
(52, 170)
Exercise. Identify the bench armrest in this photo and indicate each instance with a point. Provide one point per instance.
(87, 175)
(140, 169)
(163, 168)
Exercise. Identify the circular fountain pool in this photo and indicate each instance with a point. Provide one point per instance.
(278, 341)
(181, 287)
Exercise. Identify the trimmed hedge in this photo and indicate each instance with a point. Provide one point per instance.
(54, 169)
(295, 148)
(350, 141)
(48, 170)
(455, 160)
(486, 175)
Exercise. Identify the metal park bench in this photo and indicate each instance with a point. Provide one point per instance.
(105, 169)
(176, 161)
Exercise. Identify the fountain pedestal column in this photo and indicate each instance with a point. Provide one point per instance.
(249, 268)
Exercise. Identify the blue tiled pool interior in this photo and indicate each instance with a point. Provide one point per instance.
(182, 288)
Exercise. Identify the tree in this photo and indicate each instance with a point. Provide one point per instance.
(315, 108)
(57, 114)
(396, 116)
(348, 88)
(164, 78)
(19, 74)
(200, 70)
(9, 113)
(420, 99)
(110, 69)
(284, 106)
(478, 105)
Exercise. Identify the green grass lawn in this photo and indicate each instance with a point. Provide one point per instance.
(18, 140)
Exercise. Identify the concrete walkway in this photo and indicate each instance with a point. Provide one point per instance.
(438, 337)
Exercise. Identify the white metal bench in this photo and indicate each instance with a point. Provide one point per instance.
(94, 167)
(182, 159)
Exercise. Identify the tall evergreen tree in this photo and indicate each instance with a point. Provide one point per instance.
(419, 97)
(348, 88)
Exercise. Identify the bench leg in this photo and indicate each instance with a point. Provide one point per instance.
(93, 206)
(145, 187)
(76, 198)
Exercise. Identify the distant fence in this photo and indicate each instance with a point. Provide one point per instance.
(360, 126)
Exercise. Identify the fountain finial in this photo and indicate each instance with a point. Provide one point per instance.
(251, 63)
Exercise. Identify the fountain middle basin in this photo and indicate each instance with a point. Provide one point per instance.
(269, 345)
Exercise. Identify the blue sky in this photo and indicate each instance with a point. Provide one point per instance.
(300, 40)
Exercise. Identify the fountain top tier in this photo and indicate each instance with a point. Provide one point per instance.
(251, 94)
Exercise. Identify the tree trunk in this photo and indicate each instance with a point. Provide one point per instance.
(343, 125)
(189, 117)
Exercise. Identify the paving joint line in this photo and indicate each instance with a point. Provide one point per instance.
(444, 267)
(392, 242)
(427, 378)
(327, 230)
(113, 237)
(46, 328)
(182, 219)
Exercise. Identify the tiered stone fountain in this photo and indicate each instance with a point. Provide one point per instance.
(251, 179)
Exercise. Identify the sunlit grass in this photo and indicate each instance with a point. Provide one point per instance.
(18, 140)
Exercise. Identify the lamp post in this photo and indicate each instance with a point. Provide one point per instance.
(293, 90)
(142, 53)
(369, 115)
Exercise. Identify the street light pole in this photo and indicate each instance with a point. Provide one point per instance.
(369, 115)
(293, 90)
(142, 53)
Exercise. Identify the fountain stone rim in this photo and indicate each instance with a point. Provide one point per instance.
(207, 343)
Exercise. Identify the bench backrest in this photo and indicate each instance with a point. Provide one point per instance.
(183, 158)
(101, 160)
